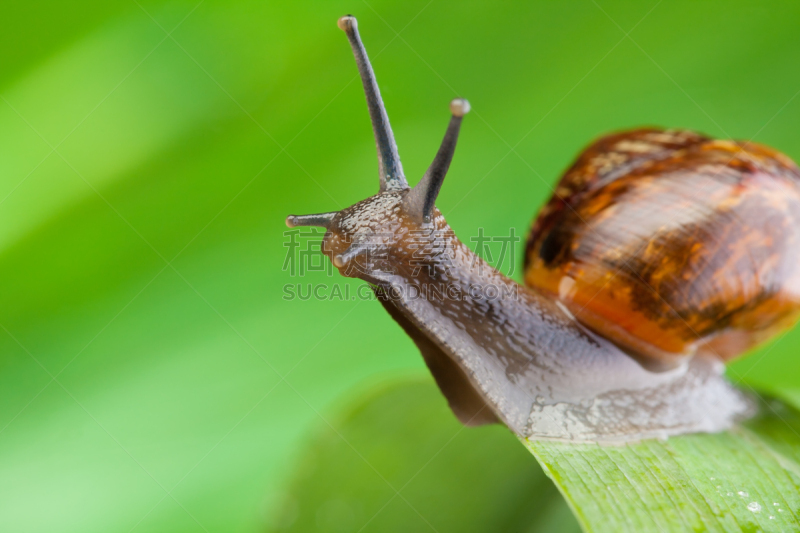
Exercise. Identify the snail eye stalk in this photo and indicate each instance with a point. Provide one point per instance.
(420, 201)
(321, 220)
(352, 252)
(390, 169)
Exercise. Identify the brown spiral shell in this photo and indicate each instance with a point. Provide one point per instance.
(668, 242)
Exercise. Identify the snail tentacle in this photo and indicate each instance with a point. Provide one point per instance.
(390, 169)
(320, 220)
(420, 201)
(341, 260)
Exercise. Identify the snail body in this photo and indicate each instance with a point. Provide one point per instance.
(578, 353)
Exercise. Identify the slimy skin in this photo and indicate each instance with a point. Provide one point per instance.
(504, 352)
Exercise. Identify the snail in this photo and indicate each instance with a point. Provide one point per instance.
(662, 255)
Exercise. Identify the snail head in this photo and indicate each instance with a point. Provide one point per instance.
(386, 228)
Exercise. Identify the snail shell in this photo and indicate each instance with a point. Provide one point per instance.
(670, 243)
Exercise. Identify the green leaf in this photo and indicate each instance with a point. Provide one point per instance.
(745, 479)
(397, 460)
(462, 479)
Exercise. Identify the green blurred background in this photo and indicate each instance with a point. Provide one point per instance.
(150, 151)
